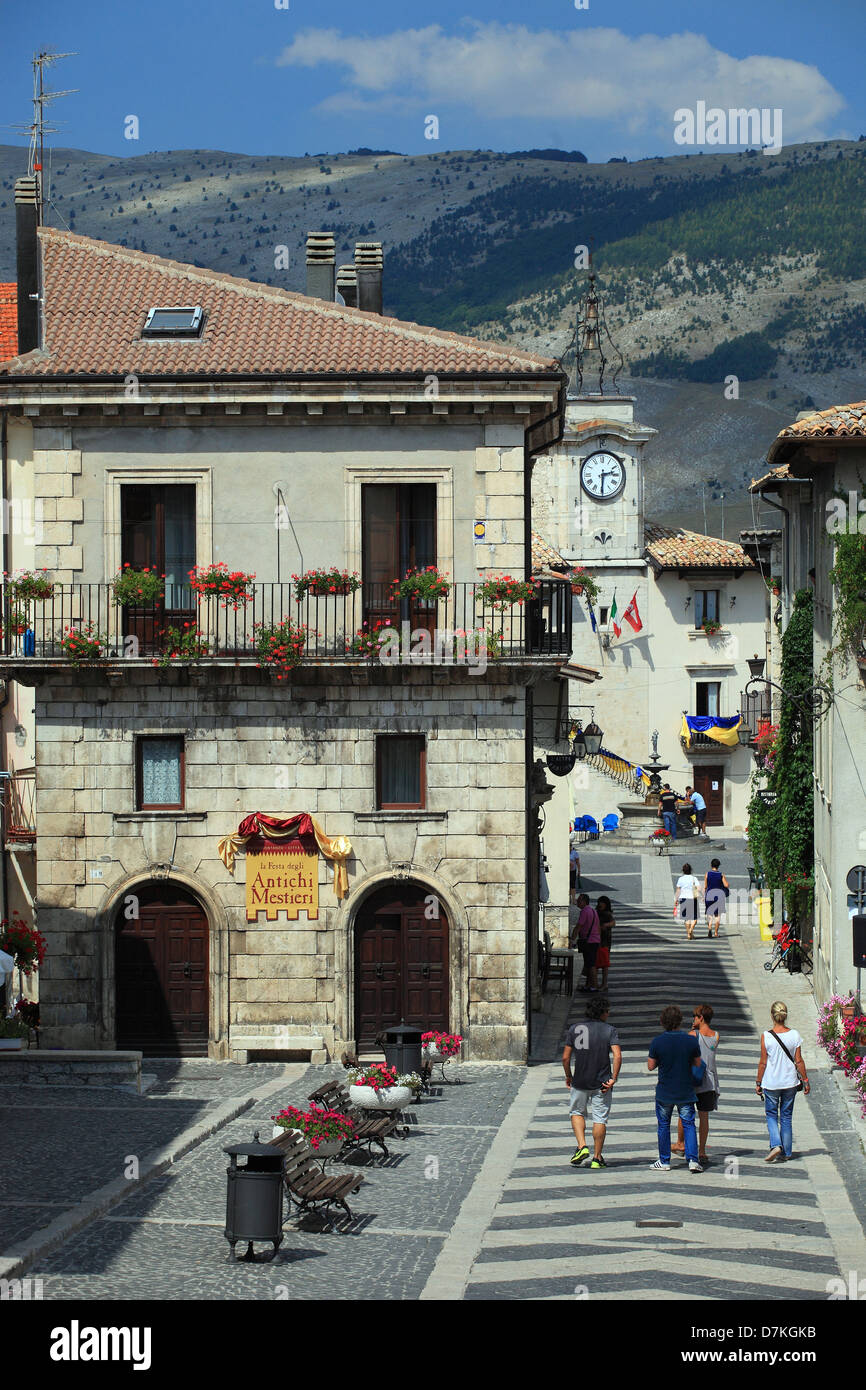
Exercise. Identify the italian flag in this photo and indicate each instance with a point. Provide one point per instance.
(613, 622)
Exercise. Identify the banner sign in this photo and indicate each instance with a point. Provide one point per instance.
(280, 882)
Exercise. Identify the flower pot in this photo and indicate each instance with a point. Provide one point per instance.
(388, 1098)
(11, 1044)
(329, 1148)
(281, 1129)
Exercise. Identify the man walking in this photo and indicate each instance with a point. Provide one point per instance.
(591, 1044)
(677, 1056)
(668, 810)
(700, 810)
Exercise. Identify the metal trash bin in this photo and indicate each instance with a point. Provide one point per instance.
(254, 1197)
(402, 1048)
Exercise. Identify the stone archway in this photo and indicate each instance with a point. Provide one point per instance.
(392, 887)
(178, 896)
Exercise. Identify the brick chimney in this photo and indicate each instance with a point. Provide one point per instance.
(368, 266)
(26, 216)
(321, 265)
(347, 285)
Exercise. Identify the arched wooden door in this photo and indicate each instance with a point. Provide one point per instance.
(161, 973)
(401, 962)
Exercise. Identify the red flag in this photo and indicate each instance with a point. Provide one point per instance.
(632, 616)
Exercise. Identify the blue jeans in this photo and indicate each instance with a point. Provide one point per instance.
(779, 1107)
(664, 1114)
(670, 821)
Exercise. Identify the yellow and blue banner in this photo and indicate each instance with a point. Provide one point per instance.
(720, 730)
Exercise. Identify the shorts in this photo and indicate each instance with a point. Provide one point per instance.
(707, 1101)
(700, 816)
(602, 959)
(601, 1103)
(590, 952)
(572, 878)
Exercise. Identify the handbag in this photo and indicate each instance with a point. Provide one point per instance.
(776, 1037)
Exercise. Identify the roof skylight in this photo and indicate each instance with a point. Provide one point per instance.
(183, 322)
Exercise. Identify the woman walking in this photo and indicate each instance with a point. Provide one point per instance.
(586, 937)
(686, 900)
(707, 1090)
(716, 890)
(602, 958)
(781, 1074)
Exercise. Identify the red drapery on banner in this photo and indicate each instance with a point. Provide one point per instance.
(285, 834)
(300, 833)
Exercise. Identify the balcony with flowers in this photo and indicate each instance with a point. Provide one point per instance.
(321, 617)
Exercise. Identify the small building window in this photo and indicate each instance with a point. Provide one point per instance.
(183, 322)
(706, 606)
(707, 698)
(159, 774)
(401, 772)
(602, 615)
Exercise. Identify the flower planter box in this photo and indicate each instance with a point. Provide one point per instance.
(11, 1044)
(386, 1098)
(329, 1148)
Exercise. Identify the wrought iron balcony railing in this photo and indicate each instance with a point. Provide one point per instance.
(338, 627)
(18, 791)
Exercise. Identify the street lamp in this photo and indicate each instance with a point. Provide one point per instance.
(578, 743)
(594, 736)
(744, 734)
(756, 666)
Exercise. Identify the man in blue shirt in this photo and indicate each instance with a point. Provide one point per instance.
(675, 1055)
(700, 810)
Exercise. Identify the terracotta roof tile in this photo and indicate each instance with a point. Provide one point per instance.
(839, 422)
(8, 320)
(544, 557)
(775, 475)
(670, 549)
(97, 297)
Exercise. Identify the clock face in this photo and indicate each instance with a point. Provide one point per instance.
(602, 476)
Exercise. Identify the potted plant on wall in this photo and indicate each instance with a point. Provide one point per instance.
(503, 590)
(441, 1047)
(326, 581)
(137, 588)
(424, 586)
(711, 626)
(233, 588)
(186, 643)
(280, 646)
(80, 644)
(26, 946)
(582, 583)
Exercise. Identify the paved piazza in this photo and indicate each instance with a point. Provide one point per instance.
(480, 1202)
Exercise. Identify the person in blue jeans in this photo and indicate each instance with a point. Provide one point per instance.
(780, 1069)
(677, 1057)
(668, 810)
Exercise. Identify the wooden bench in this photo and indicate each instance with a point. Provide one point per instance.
(371, 1126)
(306, 1185)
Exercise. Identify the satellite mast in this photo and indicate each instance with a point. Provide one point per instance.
(38, 128)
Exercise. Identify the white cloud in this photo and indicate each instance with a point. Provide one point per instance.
(507, 71)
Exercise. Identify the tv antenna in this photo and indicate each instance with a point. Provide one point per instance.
(39, 127)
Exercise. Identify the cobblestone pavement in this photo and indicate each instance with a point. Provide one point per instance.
(740, 1230)
(61, 1143)
(166, 1240)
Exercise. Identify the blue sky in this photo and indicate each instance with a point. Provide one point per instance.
(246, 76)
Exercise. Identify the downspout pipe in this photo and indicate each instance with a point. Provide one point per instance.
(5, 788)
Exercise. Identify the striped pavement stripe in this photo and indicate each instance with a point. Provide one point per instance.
(749, 1230)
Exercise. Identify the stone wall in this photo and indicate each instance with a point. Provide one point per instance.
(252, 745)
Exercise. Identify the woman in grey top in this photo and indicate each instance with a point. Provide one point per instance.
(707, 1090)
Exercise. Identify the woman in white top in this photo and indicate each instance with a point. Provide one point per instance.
(779, 1070)
(686, 900)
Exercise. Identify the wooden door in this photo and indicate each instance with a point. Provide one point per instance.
(398, 529)
(158, 532)
(709, 780)
(161, 974)
(401, 964)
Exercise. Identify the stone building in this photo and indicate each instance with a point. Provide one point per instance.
(669, 664)
(177, 418)
(816, 482)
